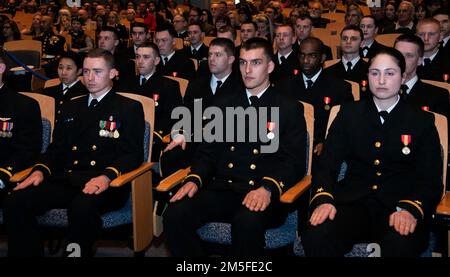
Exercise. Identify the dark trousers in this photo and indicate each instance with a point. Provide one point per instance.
(176, 159)
(364, 222)
(183, 218)
(84, 215)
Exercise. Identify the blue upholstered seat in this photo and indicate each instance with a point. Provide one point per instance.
(46, 134)
(284, 235)
(58, 217)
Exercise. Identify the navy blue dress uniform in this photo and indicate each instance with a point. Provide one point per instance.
(178, 66)
(52, 44)
(20, 133)
(167, 96)
(198, 91)
(435, 69)
(357, 73)
(225, 172)
(126, 67)
(199, 55)
(64, 94)
(287, 67)
(391, 166)
(428, 97)
(52, 49)
(325, 93)
(368, 52)
(106, 139)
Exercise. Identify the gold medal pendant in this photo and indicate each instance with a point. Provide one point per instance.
(270, 135)
(406, 150)
(327, 107)
(156, 104)
(116, 134)
(406, 140)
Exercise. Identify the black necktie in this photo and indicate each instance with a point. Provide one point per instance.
(143, 80)
(384, 115)
(166, 60)
(93, 104)
(194, 52)
(283, 59)
(309, 84)
(349, 66)
(219, 83)
(254, 101)
(441, 44)
(426, 61)
(404, 91)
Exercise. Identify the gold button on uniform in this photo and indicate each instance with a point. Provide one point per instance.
(252, 166)
(229, 181)
(74, 148)
(93, 163)
(374, 187)
(75, 162)
(94, 147)
(232, 148)
(377, 144)
(376, 162)
(230, 165)
(255, 151)
(61, 102)
(251, 182)
(59, 112)
(378, 173)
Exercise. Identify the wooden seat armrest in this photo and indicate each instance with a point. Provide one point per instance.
(444, 206)
(296, 191)
(129, 176)
(20, 176)
(174, 179)
(166, 139)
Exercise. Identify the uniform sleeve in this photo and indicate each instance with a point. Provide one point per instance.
(289, 161)
(426, 192)
(130, 153)
(26, 143)
(329, 162)
(172, 100)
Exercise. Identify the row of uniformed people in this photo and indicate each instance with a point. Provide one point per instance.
(307, 55)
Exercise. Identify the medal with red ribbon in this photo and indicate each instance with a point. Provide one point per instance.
(426, 108)
(270, 126)
(174, 74)
(155, 98)
(364, 85)
(445, 77)
(295, 72)
(327, 101)
(406, 140)
(6, 129)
